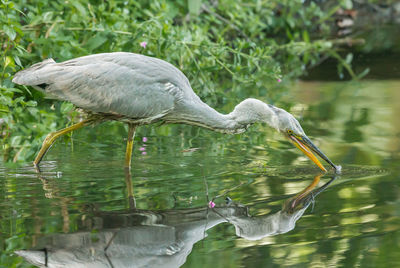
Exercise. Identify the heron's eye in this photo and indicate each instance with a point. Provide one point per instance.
(290, 132)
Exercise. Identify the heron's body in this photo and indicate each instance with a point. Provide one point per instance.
(127, 87)
(140, 90)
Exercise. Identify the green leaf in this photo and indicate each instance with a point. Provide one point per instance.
(349, 58)
(194, 6)
(17, 61)
(31, 103)
(13, 89)
(347, 4)
(96, 41)
(363, 73)
(8, 61)
(15, 141)
(10, 32)
(306, 37)
(81, 9)
(4, 109)
(66, 107)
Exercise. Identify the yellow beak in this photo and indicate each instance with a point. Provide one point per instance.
(303, 147)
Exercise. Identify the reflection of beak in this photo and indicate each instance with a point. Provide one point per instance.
(307, 147)
(294, 203)
(304, 198)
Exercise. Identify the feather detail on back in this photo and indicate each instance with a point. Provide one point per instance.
(128, 84)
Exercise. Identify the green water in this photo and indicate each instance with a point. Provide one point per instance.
(78, 210)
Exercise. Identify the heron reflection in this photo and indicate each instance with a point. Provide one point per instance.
(147, 238)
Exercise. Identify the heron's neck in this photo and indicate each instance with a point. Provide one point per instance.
(202, 115)
(245, 113)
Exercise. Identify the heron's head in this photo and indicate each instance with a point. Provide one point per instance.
(251, 111)
(291, 128)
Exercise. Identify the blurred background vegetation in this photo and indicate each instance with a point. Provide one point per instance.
(228, 49)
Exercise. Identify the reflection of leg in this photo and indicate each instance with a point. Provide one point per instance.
(106, 248)
(129, 145)
(51, 137)
(129, 188)
(65, 214)
(52, 192)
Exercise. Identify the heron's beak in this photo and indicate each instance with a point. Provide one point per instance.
(307, 147)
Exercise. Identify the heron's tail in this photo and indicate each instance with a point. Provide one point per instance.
(37, 74)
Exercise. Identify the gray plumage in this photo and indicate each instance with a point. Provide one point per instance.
(142, 90)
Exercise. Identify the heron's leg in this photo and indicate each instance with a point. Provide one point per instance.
(129, 145)
(129, 188)
(51, 137)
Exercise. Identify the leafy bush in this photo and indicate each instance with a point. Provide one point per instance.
(228, 49)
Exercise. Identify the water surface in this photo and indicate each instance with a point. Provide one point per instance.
(270, 207)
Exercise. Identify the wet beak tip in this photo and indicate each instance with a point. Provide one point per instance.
(338, 169)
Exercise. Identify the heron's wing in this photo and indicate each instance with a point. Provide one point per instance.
(126, 84)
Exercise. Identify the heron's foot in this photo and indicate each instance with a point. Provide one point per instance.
(48, 141)
(51, 137)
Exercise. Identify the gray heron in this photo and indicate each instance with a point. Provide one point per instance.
(139, 90)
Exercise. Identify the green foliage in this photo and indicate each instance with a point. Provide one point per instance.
(228, 49)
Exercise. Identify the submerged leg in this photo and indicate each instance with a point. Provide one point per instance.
(129, 146)
(51, 137)
(129, 188)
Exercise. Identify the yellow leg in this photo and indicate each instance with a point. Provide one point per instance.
(129, 146)
(51, 137)
(128, 158)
